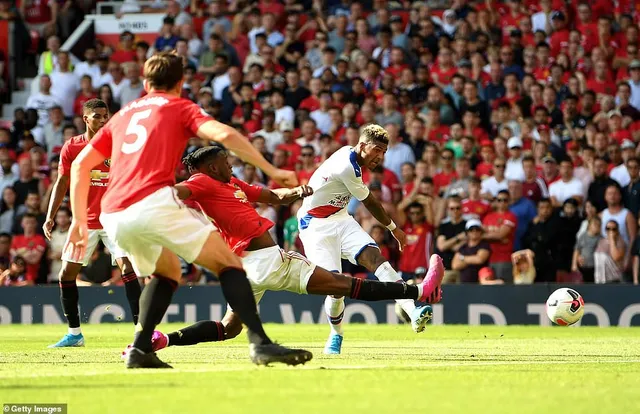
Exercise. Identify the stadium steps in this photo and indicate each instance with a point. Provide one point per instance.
(18, 100)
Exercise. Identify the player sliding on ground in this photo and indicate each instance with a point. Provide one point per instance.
(95, 114)
(328, 233)
(142, 214)
(226, 201)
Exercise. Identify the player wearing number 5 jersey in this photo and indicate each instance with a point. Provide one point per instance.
(95, 114)
(329, 233)
(142, 214)
(227, 202)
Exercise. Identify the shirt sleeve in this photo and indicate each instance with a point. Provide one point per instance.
(252, 191)
(510, 220)
(193, 117)
(103, 141)
(64, 167)
(197, 186)
(351, 176)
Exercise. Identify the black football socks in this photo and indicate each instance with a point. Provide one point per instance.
(154, 301)
(203, 331)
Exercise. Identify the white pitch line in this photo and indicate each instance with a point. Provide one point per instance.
(215, 369)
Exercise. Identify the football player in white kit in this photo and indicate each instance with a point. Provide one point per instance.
(329, 233)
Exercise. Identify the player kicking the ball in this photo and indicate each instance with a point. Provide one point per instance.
(95, 114)
(328, 233)
(226, 201)
(142, 214)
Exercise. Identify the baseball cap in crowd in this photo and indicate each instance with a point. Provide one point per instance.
(549, 158)
(473, 224)
(557, 15)
(338, 88)
(464, 63)
(486, 143)
(286, 126)
(514, 142)
(627, 144)
(206, 89)
(614, 112)
(395, 19)
(635, 64)
(572, 145)
(486, 273)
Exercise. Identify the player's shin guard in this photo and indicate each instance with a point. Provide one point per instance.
(133, 290)
(237, 291)
(69, 301)
(154, 301)
(386, 273)
(203, 331)
(372, 290)
(334, 307)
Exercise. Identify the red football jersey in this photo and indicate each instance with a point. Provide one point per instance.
(228, 205)
(475, 208)
(443, 179)
(99, 177)
(418, 249)
(500, 251)
(145, 141)
(21, 244)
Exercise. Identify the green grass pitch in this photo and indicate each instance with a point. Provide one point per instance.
(383, 369)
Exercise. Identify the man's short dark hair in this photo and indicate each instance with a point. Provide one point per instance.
(93, 104)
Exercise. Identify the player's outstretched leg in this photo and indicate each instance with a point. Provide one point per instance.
(334, 308)
(131, 286)
(217, 257)
(69, 301)
(375, 262)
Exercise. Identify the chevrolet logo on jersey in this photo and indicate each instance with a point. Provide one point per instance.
(97, 175)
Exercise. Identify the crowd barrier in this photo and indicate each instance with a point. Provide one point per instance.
(606, 305)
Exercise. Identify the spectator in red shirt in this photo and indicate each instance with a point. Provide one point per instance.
(86, 93)
(248, 112)
(307, 164)
(474, 207)
(500, 232)
(560, 37)
(534, 188)
(447, 174)
(30, 246)
(289, 145)
(419, 245)
(125, 51)
(601, 84)
(444, 70)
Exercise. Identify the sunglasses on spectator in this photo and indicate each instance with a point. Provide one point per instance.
(502, 200)
(611, 229)
(455, 208)
(499, 165)
(307, 154)
(447, 158)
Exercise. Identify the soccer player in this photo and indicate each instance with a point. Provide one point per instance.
(142, 214)
(226, 201)
(95, 114)
(328, 233)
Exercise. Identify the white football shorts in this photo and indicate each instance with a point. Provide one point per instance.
(158, 220)
(94, 237)
(328, 240)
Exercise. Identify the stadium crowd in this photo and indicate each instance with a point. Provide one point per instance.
(514, 126)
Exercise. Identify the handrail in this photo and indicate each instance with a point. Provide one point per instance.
(133, 6)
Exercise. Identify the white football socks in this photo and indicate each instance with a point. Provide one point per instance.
(334, 307)
(385, 273)
(75, 331)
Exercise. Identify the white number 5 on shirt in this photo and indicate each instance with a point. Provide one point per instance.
(134, 128)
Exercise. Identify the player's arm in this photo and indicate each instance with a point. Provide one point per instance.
(284, 195)
(216, 131)
(375, 208)
(58, 192)
(183, 191)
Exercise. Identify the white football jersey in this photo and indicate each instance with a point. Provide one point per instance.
(334, 183)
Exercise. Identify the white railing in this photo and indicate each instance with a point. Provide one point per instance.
(130, 6)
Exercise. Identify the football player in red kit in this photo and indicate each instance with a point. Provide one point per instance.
(95, 114)
(227, 202)
(142, 214)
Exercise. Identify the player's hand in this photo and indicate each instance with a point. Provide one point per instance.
(76, 244)
(285, 178)
(47, 227)
(304, 191)
(400, 237)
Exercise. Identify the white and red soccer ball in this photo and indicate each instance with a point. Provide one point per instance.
(565, 307)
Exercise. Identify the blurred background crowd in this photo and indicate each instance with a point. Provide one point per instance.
(514, 125)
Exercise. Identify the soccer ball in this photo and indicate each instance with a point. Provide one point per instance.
(565, 307)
